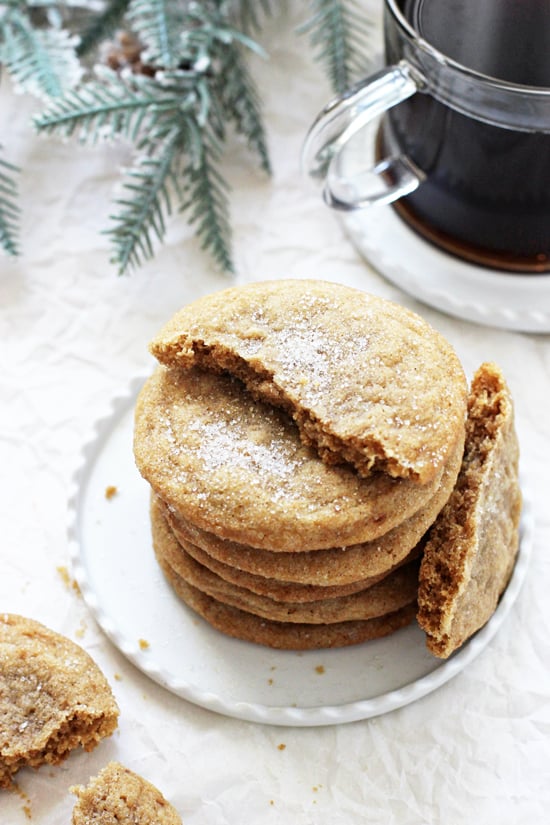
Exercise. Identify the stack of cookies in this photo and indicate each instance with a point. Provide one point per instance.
(299, 438)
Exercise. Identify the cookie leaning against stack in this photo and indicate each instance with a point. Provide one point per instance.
(299, 438)
(471, 548)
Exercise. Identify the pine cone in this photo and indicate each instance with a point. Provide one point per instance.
(126, 53)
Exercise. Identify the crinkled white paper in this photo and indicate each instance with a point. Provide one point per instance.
(72, 334)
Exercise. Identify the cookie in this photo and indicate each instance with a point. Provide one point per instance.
(236, 467)
(118, 796)
(396, 590)
(366, 380)
(53, 698)
(284, 635)
(335, 566)
(472, 546)
(276, 589)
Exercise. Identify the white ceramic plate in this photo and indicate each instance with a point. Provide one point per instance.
(114, 565)
(474, 293)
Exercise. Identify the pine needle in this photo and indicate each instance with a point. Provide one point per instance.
(205, 195)
(158, 24)
(141, 218)
(9, 212)
(42, 62)
(339, 34)
(109, 107)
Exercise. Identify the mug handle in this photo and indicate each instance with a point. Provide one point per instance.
(342, 118)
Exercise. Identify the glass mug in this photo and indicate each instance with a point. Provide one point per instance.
(463, 147)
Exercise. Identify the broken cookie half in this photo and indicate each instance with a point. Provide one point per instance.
(118, 795)
(53, 698)
(471, 549)
(367, 381)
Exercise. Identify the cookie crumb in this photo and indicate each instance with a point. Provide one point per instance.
(26, 808)
(281, 746)
(70, 583)
(110, 492)
(144, 644)
(320, 669)
(81, 631)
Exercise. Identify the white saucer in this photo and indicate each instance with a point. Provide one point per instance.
(114, 565)
(492, 298)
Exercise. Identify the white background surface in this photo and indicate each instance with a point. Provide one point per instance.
(73, 333)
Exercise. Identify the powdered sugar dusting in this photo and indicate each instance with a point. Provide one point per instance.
(227, 446)
(232, 445)
(306, 357)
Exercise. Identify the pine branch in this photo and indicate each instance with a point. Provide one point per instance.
(206, 200)
(40, 61)
(162, 117)
(158, 24)
(183, 77)
(207, 28)
(339, 35)
(183, 164)
(176, 117)
(9, 212)
(111, 106)
(143, 212)
(212, 44)
(102, 26)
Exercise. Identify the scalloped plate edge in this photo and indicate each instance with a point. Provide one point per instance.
(255, 712)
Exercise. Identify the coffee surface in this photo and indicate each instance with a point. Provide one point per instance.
(505, 39)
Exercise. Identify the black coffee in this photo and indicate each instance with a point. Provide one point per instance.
(488, 193)
(506, 39)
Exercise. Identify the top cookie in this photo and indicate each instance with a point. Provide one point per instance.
(367, 381)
